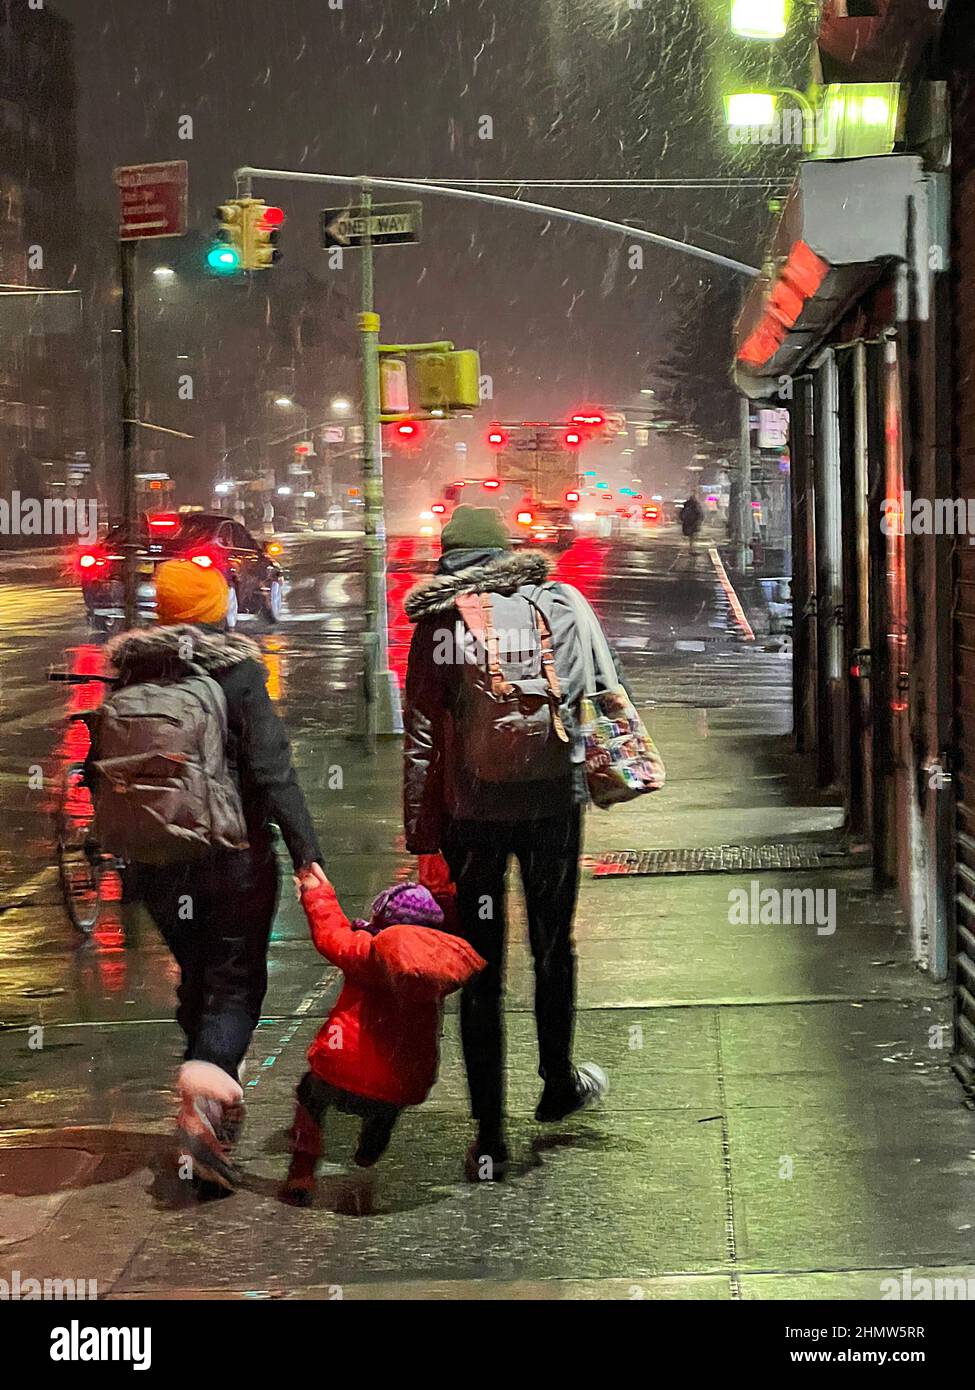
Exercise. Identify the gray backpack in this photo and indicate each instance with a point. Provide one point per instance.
(163, 793)
(508, 718)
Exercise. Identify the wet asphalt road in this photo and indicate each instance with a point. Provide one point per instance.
(658, 609)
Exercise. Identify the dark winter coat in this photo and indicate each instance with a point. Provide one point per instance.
(691, 517)
(382, 1038)
(436, 784)
(258, 753)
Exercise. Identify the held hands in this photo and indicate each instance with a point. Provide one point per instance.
(310, 876)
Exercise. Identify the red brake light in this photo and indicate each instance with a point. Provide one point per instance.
(525, 518)
(87, 560)
(572, 497)
(439, 508)
(492, 482)
(573, 439)
(164, 522)
(204, 561)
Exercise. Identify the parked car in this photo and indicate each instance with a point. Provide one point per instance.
(249, 566)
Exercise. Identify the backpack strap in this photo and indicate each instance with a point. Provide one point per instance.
(499, 686)
(550, 673)
(477, 612)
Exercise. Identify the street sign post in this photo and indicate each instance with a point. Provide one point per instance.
(152, 203)
(383, 224)
(152, 200)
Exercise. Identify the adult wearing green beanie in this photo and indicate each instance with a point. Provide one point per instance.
(475, 528)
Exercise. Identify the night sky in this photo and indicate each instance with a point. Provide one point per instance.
(575, 89)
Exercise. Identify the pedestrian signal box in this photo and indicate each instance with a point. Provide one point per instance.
(449, 380)
(394, 391)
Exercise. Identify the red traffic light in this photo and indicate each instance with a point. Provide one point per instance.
(496, 437)
(492, 483)
(406, 431)
(572, 496)
(439, 508)
(272, 217)
(573, 439)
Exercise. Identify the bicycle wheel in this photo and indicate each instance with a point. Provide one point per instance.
(79, 861)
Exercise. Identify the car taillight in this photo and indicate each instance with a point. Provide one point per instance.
(87, 560)
(204, 561)
(438, 508)
(164, 522)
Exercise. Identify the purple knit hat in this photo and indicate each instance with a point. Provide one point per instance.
(404, 904)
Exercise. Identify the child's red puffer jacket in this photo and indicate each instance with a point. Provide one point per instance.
(382, 1038)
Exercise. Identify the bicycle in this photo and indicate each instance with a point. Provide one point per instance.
(89, 877)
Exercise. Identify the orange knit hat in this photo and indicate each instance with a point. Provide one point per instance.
(188, 593)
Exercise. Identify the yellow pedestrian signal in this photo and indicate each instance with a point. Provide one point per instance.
(449, 380)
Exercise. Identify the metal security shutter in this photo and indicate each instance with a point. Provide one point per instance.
(963, 258)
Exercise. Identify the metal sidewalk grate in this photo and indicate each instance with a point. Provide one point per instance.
(726, 859)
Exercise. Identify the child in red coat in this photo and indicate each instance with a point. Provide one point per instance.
(379, 1048)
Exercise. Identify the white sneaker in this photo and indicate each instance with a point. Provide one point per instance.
(593, 1084)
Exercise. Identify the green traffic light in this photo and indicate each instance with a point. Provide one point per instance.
(223, 259)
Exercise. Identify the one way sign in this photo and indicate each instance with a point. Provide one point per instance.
(386, 224)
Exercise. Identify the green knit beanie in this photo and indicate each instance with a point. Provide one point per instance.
(475, 528)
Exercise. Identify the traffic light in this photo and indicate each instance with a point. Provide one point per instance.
(449, 380)
(572, 495)
(572, 439)
(406, 434)
(260, 234)
(226, 255)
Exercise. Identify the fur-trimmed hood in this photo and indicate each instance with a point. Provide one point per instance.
(504, 575)
(148, 649)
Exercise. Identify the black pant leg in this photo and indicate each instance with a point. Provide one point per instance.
(477, 854)
(174, 898)
(548, 856)
(241, 896)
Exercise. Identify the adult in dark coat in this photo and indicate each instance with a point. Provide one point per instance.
(215, 914)
(478, 825)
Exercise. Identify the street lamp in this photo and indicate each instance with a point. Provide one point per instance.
(760, 19)
(285, 402)
(164, 273)
(341, 405)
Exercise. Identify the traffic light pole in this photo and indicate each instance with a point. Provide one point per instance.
(130, 425)
(381, 703)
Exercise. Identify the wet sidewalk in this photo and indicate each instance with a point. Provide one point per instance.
(781, 1121)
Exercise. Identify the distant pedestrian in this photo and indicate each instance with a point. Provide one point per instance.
(202, 840)
(494, 767)
(379, 1048)
(691, 519)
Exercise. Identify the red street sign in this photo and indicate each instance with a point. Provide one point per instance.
(152, 200)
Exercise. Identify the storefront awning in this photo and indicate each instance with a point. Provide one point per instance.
(844, 222)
